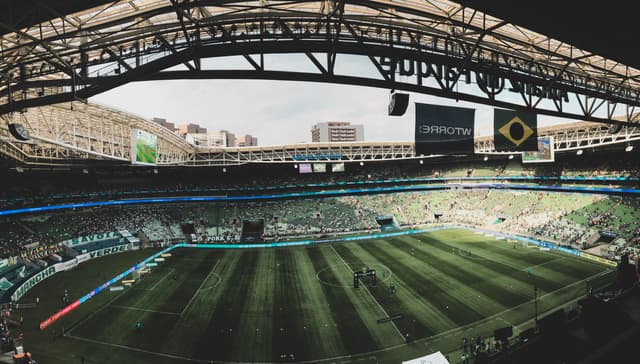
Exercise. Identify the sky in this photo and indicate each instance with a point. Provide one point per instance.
(281, 112)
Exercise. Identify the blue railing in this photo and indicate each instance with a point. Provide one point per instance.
(320, 194)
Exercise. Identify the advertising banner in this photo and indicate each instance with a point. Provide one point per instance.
(82, 258)
(60, 267)
(68, 265)
(72, 243)
(444, 130)
(102, 252)
(34, 280)
(598, 259)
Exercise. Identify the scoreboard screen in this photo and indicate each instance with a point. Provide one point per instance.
(337, 167)
(304, 168)
(545, 153)
(319, 168)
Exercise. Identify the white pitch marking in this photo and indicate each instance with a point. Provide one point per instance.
(370, 294)
(199, 288)
(145, 310)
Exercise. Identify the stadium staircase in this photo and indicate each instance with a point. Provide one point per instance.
(592, 239)
(24, 226)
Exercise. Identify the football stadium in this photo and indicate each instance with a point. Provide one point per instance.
(505, 230)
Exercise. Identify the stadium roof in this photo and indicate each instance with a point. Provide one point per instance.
(607, 30)
(80, 51)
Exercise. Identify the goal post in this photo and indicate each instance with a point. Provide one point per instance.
(517, 243)
(139, 273)
(369, 273)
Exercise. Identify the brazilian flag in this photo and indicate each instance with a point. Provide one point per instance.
(515, 131)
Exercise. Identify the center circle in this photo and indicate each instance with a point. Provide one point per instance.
(516, 131)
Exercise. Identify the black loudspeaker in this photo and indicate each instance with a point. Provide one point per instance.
(19, 131)
(398, 104)
(503, 333)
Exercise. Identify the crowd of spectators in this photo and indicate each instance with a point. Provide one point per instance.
(27, 190)
(570, 219)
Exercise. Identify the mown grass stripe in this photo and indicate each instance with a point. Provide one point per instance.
(255, 325)
(478, 289)
(410, 323)
(217, 339)
(354, 334)
(514, 278)
(439, 296)
(295, 284)
(373, 298)
(305, 299)
(486, 290)
(524, 258)
(289, 337)
(177, 291)
(121, 328)
(427, 313)
(196, 317)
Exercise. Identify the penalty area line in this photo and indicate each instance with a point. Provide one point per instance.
(541, 264)
(199, 288)
(161, 279)
(146, 310)
(155, 284)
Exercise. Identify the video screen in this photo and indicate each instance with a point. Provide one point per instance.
(144, 147)
(319, 168)
(337, 167)
(304, 168)
(545, 152)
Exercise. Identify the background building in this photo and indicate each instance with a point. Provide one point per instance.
(165, 123)
(246, 140)
(190, 128)
(221, 138)
(337, 131)
(197, 135)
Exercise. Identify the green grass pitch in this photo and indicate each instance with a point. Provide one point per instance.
(299, 304)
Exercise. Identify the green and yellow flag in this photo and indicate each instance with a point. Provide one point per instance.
(515, 131)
